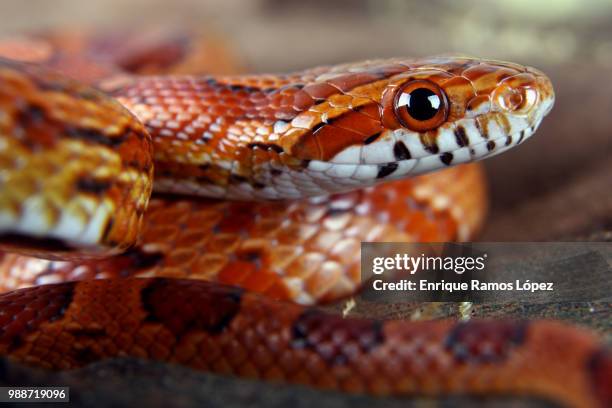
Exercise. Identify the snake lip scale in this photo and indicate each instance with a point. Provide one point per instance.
(265, 186)
(459, 155)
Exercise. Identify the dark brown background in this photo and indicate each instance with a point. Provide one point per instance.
(557, 186)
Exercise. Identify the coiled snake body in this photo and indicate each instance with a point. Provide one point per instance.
(291, 165)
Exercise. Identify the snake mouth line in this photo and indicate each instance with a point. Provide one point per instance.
(400, 168)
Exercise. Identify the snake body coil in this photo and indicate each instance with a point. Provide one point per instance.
(292, 166)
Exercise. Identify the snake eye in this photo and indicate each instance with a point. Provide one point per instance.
(421, 105)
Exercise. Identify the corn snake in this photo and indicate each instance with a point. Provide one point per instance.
(294, 137)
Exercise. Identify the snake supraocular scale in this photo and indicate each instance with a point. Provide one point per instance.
(292, 166)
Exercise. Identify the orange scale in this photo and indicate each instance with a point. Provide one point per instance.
(260, 156)
(242, 219)
(305, 265)
(268, 112)
(314, 365)
(258, 98)
(296, 233)
(235, 112)
(448, 227)
(353, 273)
(415, 221)
(222, 243)
(371, 110)
(192, 238)
(274, 102)
(341, 101)
(217, 110)
(285, 113)
(8, 316)
(180, 258)
(253, 246)
(264, 228)
(359, 123)
(320, 90)
(262, 359)
(278, 290)
(348, 82)
(401, 212)
(358, 226)
(169, 215)
(344, 251)
(378, 201)
(289, 363)
(324, 279)
(279, 258)
(45, 341)
(337, 222)
(208, 266)
(268, 214)
(13, 328)
(236, 272)
(302, 101)
(159, 234)
(284, 210)
(326, 239)
(258, 280)
(286, 99)
(235, 352)
(312, 214)
(430, 233)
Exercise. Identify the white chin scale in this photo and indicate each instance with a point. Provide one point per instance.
(403, 153)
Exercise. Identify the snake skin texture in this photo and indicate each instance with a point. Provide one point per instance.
(265, 187)
(222, 329)
(49, 133)
(309, 260)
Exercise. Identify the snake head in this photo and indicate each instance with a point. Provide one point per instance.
(390, 119)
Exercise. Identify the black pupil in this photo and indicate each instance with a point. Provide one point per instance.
(423, 104)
